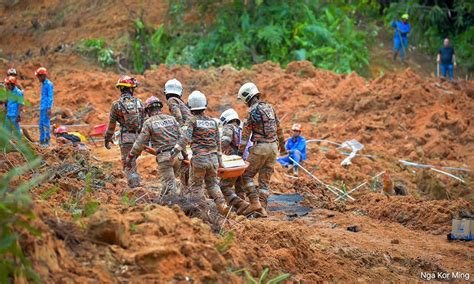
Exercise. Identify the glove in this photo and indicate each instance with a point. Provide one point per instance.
(107, 143)
(173, 153)
(240, 153)
(18, 118)
(185, 156)
(128, 160)
(221, 164)
(283, 152)
(48, 112)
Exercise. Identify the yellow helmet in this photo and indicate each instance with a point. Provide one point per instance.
(405, 16)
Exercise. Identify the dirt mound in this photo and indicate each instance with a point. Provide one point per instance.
(432, 216)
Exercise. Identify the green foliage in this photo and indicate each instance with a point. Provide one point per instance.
(228, 240)
(83, 204)
(127, 201)
(97, 49)
(16, 211)
(262, 279)
(431, 23)
(243, 33)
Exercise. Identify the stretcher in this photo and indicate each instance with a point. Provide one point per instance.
(232, 169)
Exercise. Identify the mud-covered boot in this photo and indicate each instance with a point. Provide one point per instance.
(239, 205)
(223, 209)
(255, 207)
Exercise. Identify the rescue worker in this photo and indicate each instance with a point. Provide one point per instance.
(166, 138)
(202, 132)
(263, 126)
(400, 40)
(296, 147)
(129, 112)
(174, 92)
(12, 72)
(230, 146)
(15, 104)
(46, 104)
(178, 109)
(64, 137)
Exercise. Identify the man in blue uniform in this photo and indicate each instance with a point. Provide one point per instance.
(400, 40)
(296, 147)
(14, 106)
(46, 103)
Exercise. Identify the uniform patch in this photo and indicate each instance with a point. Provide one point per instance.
(205, 123)
(163, 123)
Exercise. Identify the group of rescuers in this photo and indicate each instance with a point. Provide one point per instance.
(146, 125)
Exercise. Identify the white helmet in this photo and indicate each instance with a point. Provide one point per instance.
(247, 92)
(229, 115)
(174, 86)
(197, 101)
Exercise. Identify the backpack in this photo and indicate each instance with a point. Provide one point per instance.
(132, 110)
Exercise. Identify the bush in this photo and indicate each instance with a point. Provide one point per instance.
(97, 49)
(245, 33)
(16, 211)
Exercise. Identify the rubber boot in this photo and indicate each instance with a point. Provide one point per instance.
(239, 205)
(255, 206)
(223, 208)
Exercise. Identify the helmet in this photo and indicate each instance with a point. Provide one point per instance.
(61, 129)
(10, 80)
(229, 115)
(153, 102)
(296, 127)
(405, 16)
(174, 86)
(197, 101)
(41, 71)
(127, 81)
(11, 72)
(247, 92)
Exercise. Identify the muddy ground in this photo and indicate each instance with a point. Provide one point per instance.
(131, 236)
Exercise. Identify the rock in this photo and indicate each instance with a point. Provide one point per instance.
(395, 241)
(308, 88)
(400, 188)
(108, 226)
(332, 154)
(354, 229)
(303, 69)
(157, 259)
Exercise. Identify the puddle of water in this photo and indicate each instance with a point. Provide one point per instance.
(288, 204)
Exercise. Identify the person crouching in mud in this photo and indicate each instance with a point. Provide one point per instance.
(166, 138)
(129, 112)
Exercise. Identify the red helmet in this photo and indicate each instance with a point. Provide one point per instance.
(11, 72)
(41, 71)
(127, 81)
(152, 102)
(61, 129)
(10, 80)
(296, 127)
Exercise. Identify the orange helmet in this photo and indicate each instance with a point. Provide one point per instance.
(41, 71)
(296, 127)
(127, 81)
(153, 101)
(11, 72)
(10, 80)
(61, 129)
